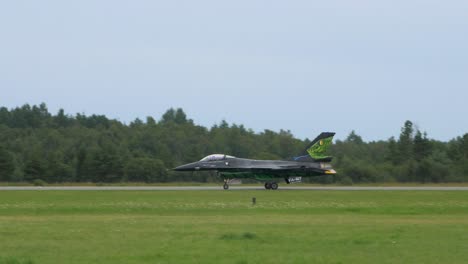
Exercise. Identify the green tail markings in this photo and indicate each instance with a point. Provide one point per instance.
(318, 149)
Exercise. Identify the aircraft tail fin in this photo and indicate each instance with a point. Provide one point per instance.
(316, 150)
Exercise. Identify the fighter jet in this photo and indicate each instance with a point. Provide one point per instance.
(310, 162)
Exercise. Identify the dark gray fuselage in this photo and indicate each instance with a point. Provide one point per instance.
(247, 168)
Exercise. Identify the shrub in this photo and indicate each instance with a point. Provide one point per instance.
(39, 182)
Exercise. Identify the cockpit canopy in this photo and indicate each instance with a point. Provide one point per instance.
(215, 157)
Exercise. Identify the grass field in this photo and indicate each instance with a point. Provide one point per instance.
(224, 227)
(144, 184)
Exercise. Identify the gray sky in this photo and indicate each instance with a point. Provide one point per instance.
(307, 66)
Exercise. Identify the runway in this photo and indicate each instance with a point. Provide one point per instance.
(231, 188)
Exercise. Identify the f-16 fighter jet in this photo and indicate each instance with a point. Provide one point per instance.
(311, 162)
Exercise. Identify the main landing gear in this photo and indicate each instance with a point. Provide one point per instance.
(271, 185)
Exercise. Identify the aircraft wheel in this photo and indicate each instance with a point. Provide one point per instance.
(225, 186)
(267, 185)
(274, 186)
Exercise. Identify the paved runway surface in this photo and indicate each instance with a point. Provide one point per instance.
(215, 188)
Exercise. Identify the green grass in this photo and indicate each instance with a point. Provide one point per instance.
(224, 227)
(383, 184)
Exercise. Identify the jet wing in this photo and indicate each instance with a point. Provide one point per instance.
(290, 167)
(276, 168)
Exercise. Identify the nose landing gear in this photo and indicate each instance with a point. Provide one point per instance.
(226, 184)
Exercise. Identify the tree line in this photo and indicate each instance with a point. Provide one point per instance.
(38, 145)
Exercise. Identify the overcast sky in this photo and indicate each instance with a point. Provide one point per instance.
(307, 66)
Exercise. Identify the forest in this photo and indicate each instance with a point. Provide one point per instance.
(38, 145)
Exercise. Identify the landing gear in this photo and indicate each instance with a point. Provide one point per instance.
(271, 185)
(226, 184)
(274, 186)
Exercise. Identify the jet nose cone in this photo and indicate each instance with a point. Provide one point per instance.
(187, 167)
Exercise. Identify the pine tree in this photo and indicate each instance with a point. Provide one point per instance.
(422, 146)
(354, 138)
(405, 144)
